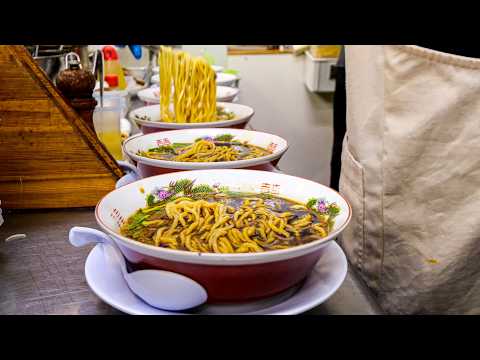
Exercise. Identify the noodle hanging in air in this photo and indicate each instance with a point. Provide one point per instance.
(187, 88)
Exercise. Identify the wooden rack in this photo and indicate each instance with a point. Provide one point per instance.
(49, 157)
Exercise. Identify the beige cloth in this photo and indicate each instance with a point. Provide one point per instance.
(411, 170)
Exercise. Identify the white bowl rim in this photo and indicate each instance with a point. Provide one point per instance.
(235, 91)
(196, 165)
(146, 94)
(218, 68)
(156, 69)
(229, 77)
(175, 126)
(223, 259)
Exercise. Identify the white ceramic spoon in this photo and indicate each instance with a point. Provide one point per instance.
(161, 289)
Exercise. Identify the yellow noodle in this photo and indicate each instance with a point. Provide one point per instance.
(206, 226)
(194, 88)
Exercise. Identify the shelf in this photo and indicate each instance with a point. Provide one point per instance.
(239, 51)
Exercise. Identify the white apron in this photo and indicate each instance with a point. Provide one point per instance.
(411, 170)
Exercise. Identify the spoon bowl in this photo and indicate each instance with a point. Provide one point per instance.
(161, 289)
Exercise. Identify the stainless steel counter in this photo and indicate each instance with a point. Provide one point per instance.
(44, 274)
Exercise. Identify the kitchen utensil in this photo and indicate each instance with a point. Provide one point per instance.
(161, 289)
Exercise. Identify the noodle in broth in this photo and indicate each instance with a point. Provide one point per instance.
(221, 148)
(201, 220)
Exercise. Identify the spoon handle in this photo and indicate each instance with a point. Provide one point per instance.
(126, 166)
(81, 236)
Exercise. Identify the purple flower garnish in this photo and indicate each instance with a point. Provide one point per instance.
(207, 138)
(270, 203)
(163, 194)
(322, 206)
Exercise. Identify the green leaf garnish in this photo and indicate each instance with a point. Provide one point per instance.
(162, 149)
(265, 195)
(202, 189)
(224, 137)
(311, 203)
(183, 185)
(223, 189)
(150, 200)
(333, 210)
(137, 220)
(231, 71)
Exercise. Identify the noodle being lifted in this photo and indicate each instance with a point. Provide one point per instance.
(206, 219)
(192, 81)
(220, 148)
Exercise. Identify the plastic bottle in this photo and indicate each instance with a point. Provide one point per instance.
(106, 121)
(113, 68)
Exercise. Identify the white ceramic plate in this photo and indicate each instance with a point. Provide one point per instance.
(276, 144)
(225, 79)
(156, 79)
(152, 112)
(328, 275)
(217, 68)
(152, 94)
(226, 93)
(134, 88)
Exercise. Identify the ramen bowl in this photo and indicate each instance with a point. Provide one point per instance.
(224, 79)
(146, 166)
(148, 119)
(151, 96)
(234, 277)
(216, 68)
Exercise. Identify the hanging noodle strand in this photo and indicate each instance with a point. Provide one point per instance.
(187, 88)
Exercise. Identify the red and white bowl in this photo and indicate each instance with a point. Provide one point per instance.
(224, 79)
(226, 277)
(150, 167)
(148, 119)
(216, 68)
(151, 96)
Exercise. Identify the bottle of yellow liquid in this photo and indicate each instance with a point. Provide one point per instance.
(113, 68)
(112, 141)
(106, 121)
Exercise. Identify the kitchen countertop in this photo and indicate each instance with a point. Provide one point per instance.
(256, 50)
(232, 52)
(44, 274)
